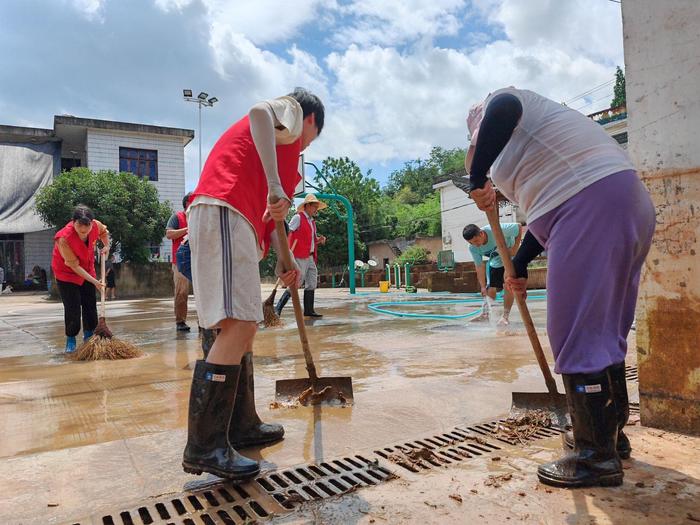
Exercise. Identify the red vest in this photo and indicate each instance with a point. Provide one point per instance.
(233, 173)
(181, 223)
(303, 235)
(84, 253)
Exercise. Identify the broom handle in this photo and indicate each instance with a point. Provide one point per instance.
(522, 306)
(286, 258)
(102, 290)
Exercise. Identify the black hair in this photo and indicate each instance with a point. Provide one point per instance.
(310, 103)
(83, 214)
(185, 200)
(470, 231)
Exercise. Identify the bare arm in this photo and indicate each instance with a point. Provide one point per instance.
(481, 275)
(175, 234)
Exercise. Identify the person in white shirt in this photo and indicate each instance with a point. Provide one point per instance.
(586, 205)
(305, 241)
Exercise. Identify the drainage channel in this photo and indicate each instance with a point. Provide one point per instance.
(280, 492)
(272, 494)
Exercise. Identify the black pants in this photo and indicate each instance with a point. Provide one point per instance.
(76, 298)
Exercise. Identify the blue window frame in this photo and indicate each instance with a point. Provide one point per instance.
(140, 162)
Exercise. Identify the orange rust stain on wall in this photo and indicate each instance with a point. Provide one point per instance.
(671, 356)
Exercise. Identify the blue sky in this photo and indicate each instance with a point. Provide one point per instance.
(397, 76)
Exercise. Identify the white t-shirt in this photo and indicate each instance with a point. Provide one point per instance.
(554, 153)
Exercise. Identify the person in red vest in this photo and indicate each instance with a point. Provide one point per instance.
(176, 230)
(303, 228)
(73, 265)
(247, 183)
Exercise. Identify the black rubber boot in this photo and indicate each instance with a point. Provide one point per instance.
(208, 425)
(247, 429)
(284, 298)
(622, 406)
(309, 305)
(594, 461)
(208, 338)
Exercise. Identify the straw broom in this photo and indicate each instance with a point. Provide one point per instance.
(103, 345)
(270, 317)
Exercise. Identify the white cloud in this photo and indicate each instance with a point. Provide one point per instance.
(261, 21)
(90, 9)
(394, 22)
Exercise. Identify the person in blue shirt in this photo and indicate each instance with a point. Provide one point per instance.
(482, 243)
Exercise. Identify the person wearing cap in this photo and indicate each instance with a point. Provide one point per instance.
(304, 234)
(577, 188)
(246, 186)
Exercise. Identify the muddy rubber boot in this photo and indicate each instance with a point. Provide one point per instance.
(247, 429)
(211, 404)
(622, 407)
(87, 334)
(208, 338)
(594, 461)
(284, 298)
(309, 304)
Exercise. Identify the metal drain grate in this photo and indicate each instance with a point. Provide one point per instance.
(331, 478)
(439, 449)
(631, 373)
(272, 494)
(221, 504)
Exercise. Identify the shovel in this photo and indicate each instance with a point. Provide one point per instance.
(313, 390)
(552, 401)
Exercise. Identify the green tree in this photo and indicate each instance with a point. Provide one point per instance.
(414, 182)
(346, 178)
(127, 204)
(619, 95)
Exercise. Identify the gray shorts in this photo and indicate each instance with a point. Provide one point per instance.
(225, 273)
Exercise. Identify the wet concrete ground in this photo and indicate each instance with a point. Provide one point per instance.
(81, 437)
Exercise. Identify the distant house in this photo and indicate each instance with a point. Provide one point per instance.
(386, 250)
(458, 210)
(31, 157)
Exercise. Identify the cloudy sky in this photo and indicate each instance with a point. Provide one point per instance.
(397, 76)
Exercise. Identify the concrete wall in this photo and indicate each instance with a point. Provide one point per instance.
(458, 210)
(139, 281)
(103, 154)
(662, 59)
(38, 247)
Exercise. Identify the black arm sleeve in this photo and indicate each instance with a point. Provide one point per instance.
(529, 249)
(501, 117)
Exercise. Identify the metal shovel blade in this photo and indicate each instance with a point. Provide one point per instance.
(552, 403)
(331, 391)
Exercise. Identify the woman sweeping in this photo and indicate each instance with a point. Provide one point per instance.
(586, 205)
(73, 265)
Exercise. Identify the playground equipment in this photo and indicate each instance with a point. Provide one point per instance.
(348, 216)
(363, 268)
(400, 280)
(446, 261)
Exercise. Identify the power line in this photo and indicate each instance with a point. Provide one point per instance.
(589, 92)
(414, 219)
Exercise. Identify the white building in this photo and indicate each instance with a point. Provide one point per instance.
(457, 210)
(31, 157)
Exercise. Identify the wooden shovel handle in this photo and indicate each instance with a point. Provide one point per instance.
(286, 258)
(520, 300)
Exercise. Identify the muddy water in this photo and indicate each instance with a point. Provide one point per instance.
(410, 377)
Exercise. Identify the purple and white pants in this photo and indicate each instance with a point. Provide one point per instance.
(596, 244)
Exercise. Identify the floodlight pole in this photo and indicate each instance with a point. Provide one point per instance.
(206, 103)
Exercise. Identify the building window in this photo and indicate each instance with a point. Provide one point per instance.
(68, 164)
(140, 162)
